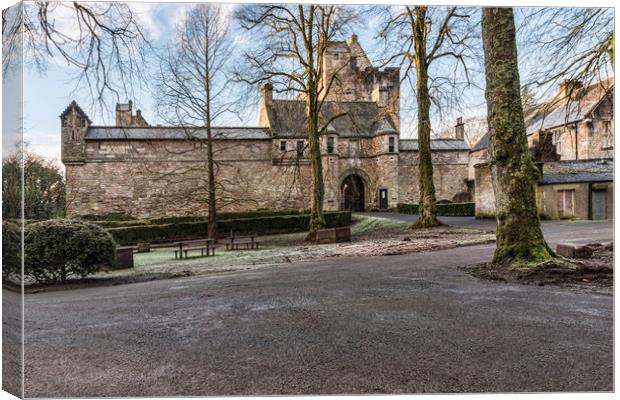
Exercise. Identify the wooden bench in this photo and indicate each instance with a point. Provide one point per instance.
(333, 235)
(247, 242)
(205, 246)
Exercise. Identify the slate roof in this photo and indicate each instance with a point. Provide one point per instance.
(287, 118)
(578, 171)
(173, 133)
(436, 144)
(561, 111)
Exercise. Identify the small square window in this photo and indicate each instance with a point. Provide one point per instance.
(283, 145)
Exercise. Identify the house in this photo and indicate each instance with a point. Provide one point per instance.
(571, 137)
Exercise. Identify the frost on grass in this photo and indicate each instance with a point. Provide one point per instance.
(371, 236)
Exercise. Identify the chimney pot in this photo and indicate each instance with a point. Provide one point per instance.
(267, 90)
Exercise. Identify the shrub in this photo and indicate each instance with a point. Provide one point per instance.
(56, 249)
(11, 249)
(241, 226)
(443, 209)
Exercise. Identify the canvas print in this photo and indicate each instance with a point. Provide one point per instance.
(209, 199)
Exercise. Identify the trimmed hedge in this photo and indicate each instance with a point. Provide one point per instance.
(117, 220)
(443, 209)
(59, 248)
(11, 250)
(113, 216)
(240, 226)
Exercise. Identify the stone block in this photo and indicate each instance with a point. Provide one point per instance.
(124, 257)
(565, 250)
(573, 251)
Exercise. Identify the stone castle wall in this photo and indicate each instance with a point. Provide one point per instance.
(449, 175)
(149, 178)
(168, 178)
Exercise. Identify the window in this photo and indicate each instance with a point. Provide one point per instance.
(354, 148)
(566, 203)
(330, 145)
(283, 145)
(391, 144)
(557, 141)
(607, 138)
(300, 148)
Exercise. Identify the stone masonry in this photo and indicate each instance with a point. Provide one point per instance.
(148, 171)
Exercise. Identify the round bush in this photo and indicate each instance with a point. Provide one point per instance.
(11, 249)
(57, 249)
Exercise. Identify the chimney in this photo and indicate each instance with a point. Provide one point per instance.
(568, 87)
(353, 39)
(267, 91)
(459, 129)
(266, 99)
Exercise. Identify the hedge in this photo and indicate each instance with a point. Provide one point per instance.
(117, 220)
(240, 226)
(59, 248)
(444, 209)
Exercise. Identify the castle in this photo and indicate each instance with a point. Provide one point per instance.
(148, 171)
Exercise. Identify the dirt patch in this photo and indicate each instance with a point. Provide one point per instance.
(593, 272)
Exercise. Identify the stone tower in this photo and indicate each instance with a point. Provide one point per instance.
(74, 124)
(357, 80)
(126, 118)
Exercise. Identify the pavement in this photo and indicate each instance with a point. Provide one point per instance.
(573, 231)
(412, 323)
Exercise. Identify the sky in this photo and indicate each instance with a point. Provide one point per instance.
(46, 94)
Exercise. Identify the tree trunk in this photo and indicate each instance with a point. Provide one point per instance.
(520, 241)
(212, 216)
(317, 219)
(427, 204)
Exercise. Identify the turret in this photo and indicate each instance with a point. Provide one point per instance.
(126, 118)
(386, 92)
(74, 124)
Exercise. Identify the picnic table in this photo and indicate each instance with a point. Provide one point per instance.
(249, 242)
(204, 245)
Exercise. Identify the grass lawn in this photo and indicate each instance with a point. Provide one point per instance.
(371, 236)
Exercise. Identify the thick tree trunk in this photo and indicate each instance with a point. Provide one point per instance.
(520, 241)
(317, 219)
(427, 203)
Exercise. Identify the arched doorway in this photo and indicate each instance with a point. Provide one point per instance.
(352, 193)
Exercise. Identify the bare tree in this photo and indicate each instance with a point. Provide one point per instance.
(290, 56)
(520, 242)
(426, 37)
(193, 88)
(103, 41)
(567, 43)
